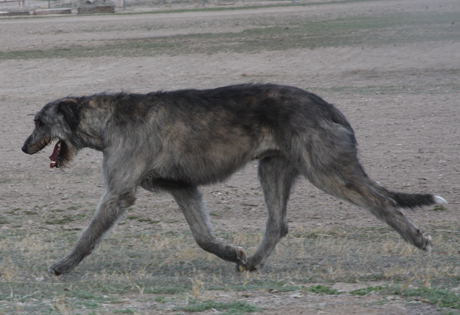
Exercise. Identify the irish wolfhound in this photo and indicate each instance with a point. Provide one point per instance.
(177, 141)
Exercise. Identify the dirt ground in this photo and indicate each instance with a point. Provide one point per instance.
(397, 84)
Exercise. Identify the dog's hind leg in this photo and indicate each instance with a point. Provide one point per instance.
(191, 204)
(328, 158)
(349, 182)
(276, 176)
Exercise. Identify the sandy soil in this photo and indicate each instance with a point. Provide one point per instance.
(401, 99)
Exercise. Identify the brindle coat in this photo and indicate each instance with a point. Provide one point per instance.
(177, 141)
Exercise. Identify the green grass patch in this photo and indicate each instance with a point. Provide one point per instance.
(271, 35)
(257, 285)
(229, 308)
(439, 208)
(160, 299)
(146, 288)
(60, 220)
(125, 311)
(321, 289)
(439, 296)
(365, 291)
(147, 220)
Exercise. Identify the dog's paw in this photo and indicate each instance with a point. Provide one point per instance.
(241, 264)
(250, 265)
(243, 268)
(428, 245)
(241, 255)
(60, 267)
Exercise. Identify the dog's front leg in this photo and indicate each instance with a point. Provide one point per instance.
(110, 208)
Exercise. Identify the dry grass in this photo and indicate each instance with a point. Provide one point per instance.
(173, 267)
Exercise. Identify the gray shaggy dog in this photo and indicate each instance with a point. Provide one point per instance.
(177, 141)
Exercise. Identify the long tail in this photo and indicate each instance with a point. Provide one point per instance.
(332, 165)
(411, 201)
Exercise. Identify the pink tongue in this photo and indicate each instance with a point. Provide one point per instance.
(53, 157)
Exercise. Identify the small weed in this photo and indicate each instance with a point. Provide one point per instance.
(148, 221)
(135, 217)
(282, 287)
(61, 305)
(321, 289)
(439, 208)
(88, 304)
(60, 220)
(167, 289)
(197, 287)
(365, 291)
(88, 299)
(230, 308)
(125, 311)
(265, 286)
(311, 235)
(13, 211)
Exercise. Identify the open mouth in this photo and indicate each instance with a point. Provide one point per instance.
(57, 156)
(61, 152)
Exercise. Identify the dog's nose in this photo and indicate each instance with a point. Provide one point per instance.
(24, 149)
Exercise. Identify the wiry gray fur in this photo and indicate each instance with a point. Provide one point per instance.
(177, 141)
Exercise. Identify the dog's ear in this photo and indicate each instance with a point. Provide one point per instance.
(69, 109)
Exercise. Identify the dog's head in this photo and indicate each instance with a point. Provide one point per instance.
(59, 121)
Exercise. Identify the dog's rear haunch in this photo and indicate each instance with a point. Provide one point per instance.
(177, 141)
